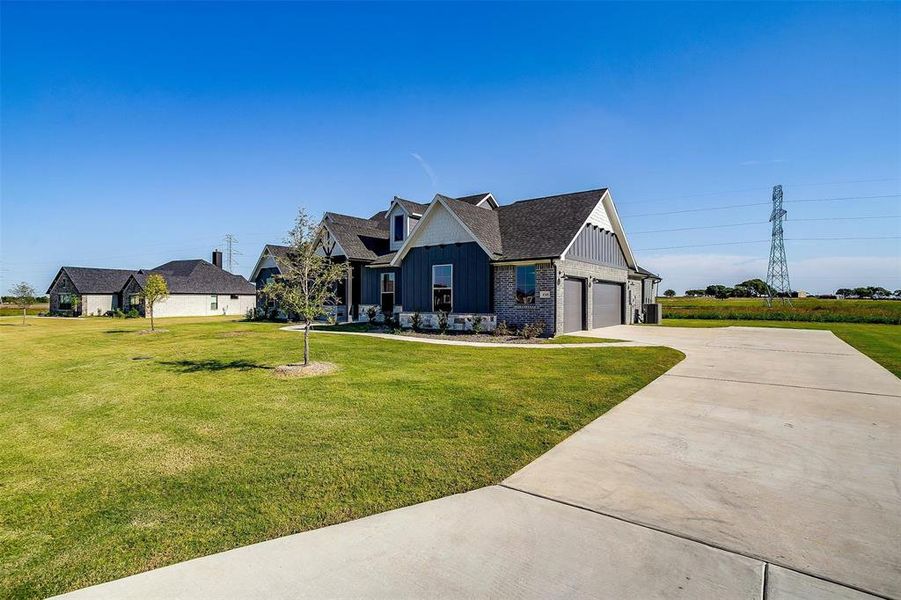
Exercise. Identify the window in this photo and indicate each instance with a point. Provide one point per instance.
(65, 301)
(443, 288)
(234, 296)
(398, 228)
(214, 302)
(134, 299)
(525, 284)
(387, 290)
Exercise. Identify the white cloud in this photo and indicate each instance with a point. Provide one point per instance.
(427, 168)
(817, 275)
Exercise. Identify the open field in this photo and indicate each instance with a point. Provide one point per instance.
(8, 310)
(802, 309)
(882, 343)
(122, 452)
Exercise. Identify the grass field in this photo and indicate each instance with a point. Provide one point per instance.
(121, 452)
(882, 343)
(802, 309)
(8, 310)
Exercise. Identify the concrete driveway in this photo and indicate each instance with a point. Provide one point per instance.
(765, 465)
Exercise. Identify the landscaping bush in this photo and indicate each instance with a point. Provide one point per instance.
(442, 321)
(416, 321)
(477, 323)
(502, 329)
(388, 319)
(532, 330)
(132, 314)
(371, 313)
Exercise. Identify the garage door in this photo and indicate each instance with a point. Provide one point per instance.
(606, 304)
(573, 305)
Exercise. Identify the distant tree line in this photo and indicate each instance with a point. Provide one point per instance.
(13, 299)
(753, 288)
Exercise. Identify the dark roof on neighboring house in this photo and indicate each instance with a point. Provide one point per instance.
(379, 215)
(361, 239)
(474, 199)
(414, 208)
(279, 254)
(197, 276)
(643, 271)
(544, 227)
(90, 280)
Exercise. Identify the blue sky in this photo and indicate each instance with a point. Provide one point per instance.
(137, 133)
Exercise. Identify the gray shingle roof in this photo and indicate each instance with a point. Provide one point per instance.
(361, 239)
(474, 199)
(544, 227)
(414, 208)
(279, 255)
(644, 271)
(197, 276)
(483, 223)
(90, 280)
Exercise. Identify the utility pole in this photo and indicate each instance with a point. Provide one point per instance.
(231, 252)
(777, 282)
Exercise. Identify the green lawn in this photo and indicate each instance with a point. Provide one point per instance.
(122, 452)
(887, 312)
(882, 343)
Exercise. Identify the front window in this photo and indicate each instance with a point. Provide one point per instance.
(65, 301)
(443, 288)
(387, 289)
(134, 299)
(525, 284)
(398, 228)
(214, 302)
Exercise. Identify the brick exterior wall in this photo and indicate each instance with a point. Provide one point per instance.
(517, 315)
(130, 288)
(574, 268)
(63, 285)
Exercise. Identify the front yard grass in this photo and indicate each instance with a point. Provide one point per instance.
(882, 343)
(122, 452)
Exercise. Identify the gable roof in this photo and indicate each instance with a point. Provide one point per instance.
(416, 209)
(482, 223)
(196, 276)
(91, 280)
(361, 239)
(477, 199)
(545, 227)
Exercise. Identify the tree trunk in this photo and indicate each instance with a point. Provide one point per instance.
(24, 310)
(306, 344)
(151, 317)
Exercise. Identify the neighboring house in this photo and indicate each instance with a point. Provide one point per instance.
(98, 290)
(196, 288)
(563, 260)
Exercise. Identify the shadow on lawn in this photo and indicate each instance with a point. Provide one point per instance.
(211, 365)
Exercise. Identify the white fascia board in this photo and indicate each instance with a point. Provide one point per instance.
(606, 201)
(489, 198)
(259, 265)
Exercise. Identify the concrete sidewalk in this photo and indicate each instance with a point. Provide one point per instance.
(765, 465)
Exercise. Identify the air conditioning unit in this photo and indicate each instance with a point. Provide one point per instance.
(653, 313)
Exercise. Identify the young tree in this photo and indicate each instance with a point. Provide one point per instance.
(155, 289)
(23, 297)
(669, 293)
(308, 284)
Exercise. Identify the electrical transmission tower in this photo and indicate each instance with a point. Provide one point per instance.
(231, 252)
(777, 272)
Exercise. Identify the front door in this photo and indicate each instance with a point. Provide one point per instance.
(387, 290)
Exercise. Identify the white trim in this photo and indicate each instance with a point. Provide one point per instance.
(607, 201)
(432, 287)
(258, 267)
(412, 215)
(438, 199)
(491, 200)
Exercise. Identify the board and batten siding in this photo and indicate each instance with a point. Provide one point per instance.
(371, 288)
(598, 246)
(472, 277)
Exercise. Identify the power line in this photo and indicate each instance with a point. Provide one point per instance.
(820, 239)
(231, 252)
(764, 223)
(728, 206)
(757, 189)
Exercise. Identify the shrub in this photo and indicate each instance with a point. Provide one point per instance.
(442, 321)
(532, 330)
(132, 314)
(371, 313)
(119, 314)
(477, 323)
(416, 321)
(388, 319)
(502, 329)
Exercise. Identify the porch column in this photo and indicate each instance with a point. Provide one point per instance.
(349, 291)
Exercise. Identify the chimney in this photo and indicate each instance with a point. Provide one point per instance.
(217, 258)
